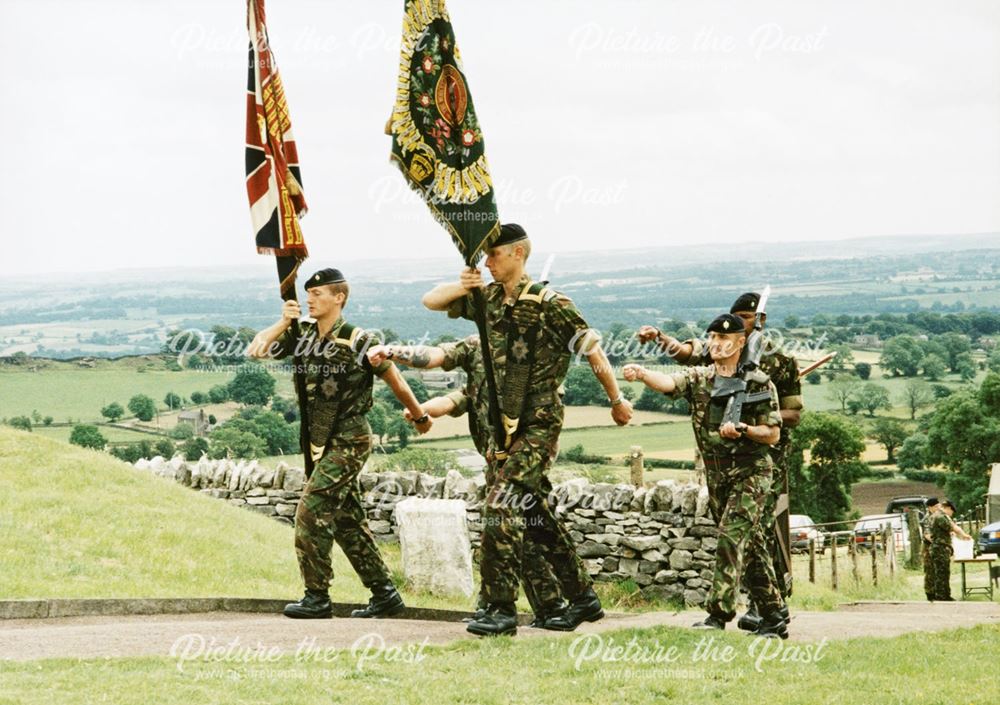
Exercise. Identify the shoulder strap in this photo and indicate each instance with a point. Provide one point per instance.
(537, 292)
(348, 335)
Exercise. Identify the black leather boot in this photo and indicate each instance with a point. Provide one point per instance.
(385, 602)
(553, 609)
(314, 605)
(773, 626)
(585, 608)
(500, 619)
(750, 621)
(712, 621)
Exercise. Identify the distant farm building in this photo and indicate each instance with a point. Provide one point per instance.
(197, 419)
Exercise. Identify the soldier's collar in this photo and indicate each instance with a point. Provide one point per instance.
(337, 325)
(523, 283)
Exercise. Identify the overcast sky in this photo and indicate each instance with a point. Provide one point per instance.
(607, 122)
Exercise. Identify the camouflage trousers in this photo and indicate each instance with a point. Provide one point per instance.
(939, 559)
(541, 586)
(738, 505)
(331, 510)
(520, 525)
(767, 538)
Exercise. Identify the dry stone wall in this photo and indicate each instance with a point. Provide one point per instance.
(659, 536)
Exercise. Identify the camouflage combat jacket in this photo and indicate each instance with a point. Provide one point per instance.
(783, 371)
(339, 378)
(737, 458)
(564, 332)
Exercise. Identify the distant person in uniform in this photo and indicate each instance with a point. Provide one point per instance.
(942, 529)
(933, 507)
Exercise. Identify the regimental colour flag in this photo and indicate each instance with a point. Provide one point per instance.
(437, 142)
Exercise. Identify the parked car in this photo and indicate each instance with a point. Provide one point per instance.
(989, 539)
(868, 526)
(898, 505)
(801, 529)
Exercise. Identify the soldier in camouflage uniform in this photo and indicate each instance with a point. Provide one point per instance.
(784, 373)
(339, 383)
(942, 527)
(933, 507)
(738, 468)
(533, 334)
(541, 586)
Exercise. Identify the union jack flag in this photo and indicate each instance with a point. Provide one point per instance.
(274, 182)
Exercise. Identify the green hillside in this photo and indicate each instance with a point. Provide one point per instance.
(78, 523)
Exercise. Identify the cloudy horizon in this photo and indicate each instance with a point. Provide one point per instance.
(608, 124)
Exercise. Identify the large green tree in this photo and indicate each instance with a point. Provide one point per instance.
(582, 387)
(842, 390)
(890, 433)
(934, 367)
(652, 400)
(234, 443)
(964, 437)
(87, 436)
(143, 407)
(384, 393)
(902, 356)
(279, 436)
(113, 411)
(821, 488)
(956, 347)
(915, 395)
(873, 397)
(378, 419)
(252, 385)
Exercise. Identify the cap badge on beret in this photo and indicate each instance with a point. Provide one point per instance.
(746, 302)
(325, 276)
(726, 323)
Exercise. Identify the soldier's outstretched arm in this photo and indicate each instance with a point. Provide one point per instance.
(419, 356)
(657, 381)
(441, 297)
(959, 531)
(679, 351)
(621, 408)
(436, 408)
(405, 395)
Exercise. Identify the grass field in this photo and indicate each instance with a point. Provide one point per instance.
(78, 523)
(447, 428)
(111, 433)
(916, 669)
(65, 392)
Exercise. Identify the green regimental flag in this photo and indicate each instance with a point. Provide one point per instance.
(436, 139)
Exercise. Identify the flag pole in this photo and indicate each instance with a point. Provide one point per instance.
(288, 268)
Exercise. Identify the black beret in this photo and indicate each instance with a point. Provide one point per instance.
(947, 503)
(726, 323)
(509, 234)
(931, 501)
(747, 302)
(324, 277)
